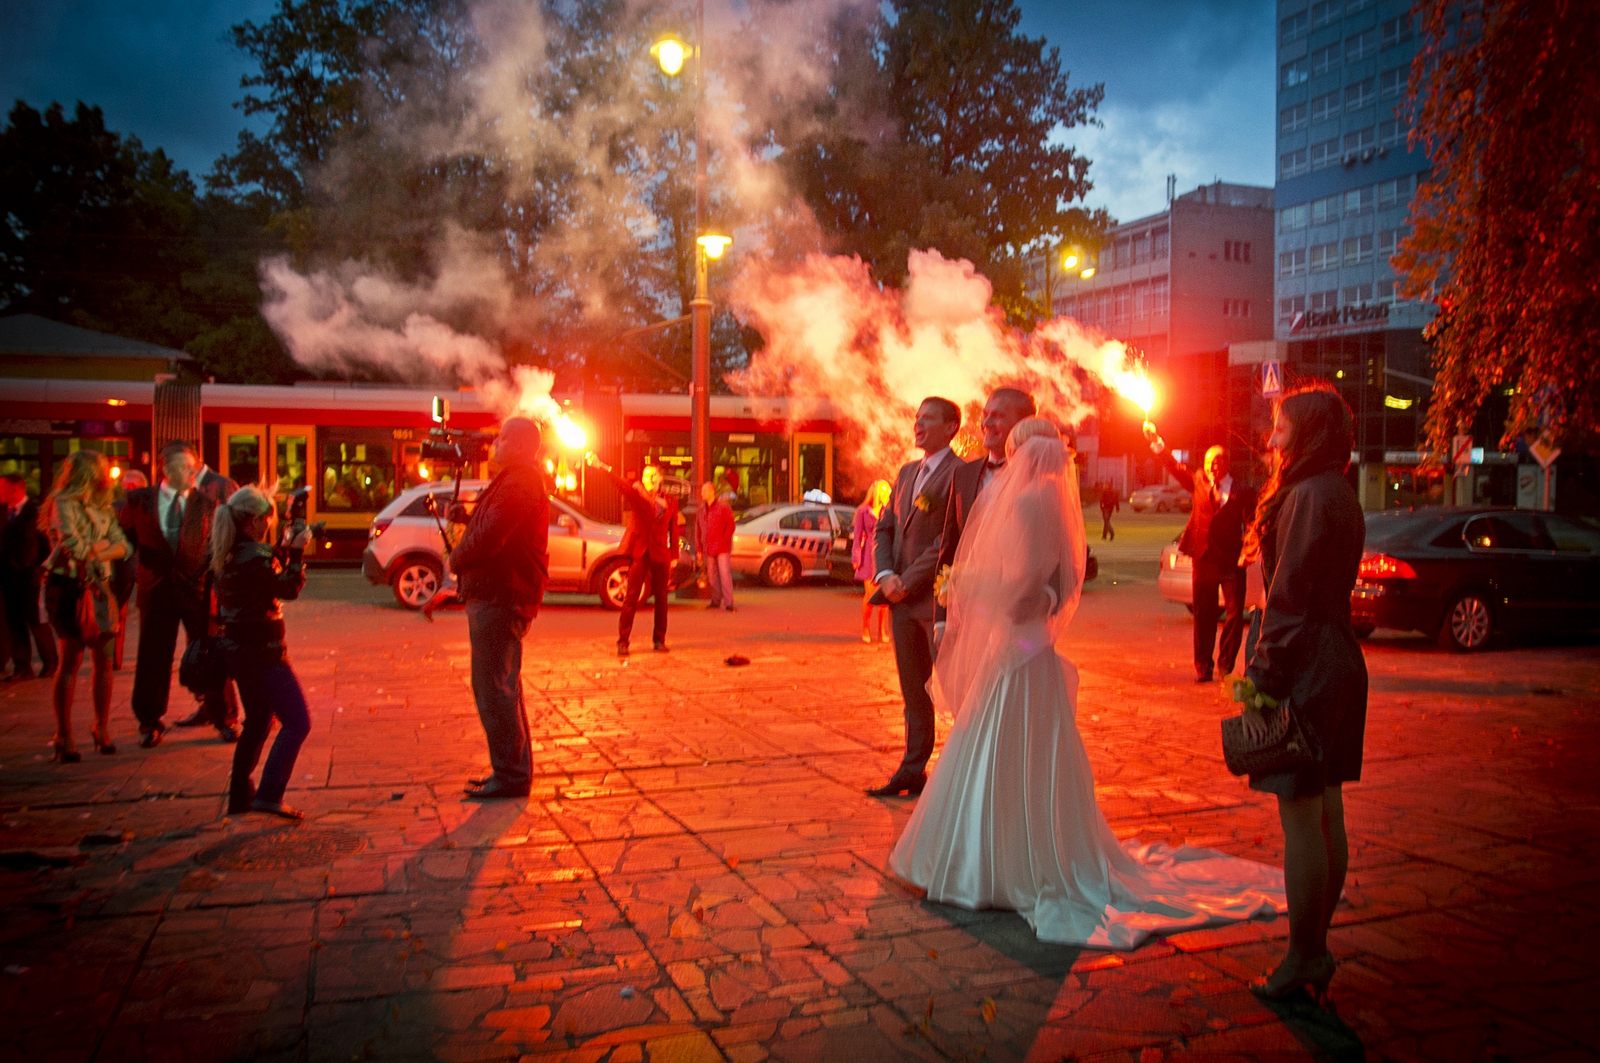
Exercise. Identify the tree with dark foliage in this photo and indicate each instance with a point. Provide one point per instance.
(1506, 233)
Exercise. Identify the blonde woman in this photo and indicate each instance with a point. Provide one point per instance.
(84, 540)
(252, 580)
(861, 544)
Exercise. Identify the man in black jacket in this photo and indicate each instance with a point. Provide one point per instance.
(221, 712)
(22, 550)
(169, 526)
(1213, 538)
(502, 564)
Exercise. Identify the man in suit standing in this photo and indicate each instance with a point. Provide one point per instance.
(221, 713)
(906, 554)
(23, 549)
(1213, 538)
(1006, 406)
(169, 526)
(651, 544)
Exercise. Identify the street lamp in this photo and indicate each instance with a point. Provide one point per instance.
(672, 54)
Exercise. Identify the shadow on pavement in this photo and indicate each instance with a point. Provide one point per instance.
(1320, 1030)
(1010, 935)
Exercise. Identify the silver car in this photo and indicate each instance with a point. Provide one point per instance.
(405, 549)
(1175, 580)
(783, 542)
(1163, 498)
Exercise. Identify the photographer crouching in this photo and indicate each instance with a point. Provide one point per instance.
(501, 565)
(252, 579)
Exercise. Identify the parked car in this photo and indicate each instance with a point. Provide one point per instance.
(405, 551)
(1175, 581)
(781, 543)
(1465, 575)
(1163, 498)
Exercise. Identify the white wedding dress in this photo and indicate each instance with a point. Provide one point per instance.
(1008, 818)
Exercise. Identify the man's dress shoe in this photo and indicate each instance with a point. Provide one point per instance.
(151, 738)
(495, 790)
(194, 719)
(901, 784)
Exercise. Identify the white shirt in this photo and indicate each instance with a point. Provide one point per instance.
(1224, 488)
(166, 497)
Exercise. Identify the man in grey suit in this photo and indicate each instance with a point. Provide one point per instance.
(906, 555)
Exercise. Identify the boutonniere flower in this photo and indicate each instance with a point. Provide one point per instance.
(927, 501)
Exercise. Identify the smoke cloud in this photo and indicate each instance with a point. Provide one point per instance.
(832, 332)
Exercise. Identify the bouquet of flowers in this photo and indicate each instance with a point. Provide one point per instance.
(1246, 694)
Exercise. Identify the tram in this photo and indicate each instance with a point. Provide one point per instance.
(358, 446)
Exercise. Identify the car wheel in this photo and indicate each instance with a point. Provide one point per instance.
(780, 570)
(415, 581)
(1362, 631)
(612, 584)
(1468, 623)
(1161, 507)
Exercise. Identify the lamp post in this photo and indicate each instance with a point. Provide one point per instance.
(672, 54)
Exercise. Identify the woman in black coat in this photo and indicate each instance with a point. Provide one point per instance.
(1310, 533)
(252, 579)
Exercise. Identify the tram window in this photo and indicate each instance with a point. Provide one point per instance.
(813, 467)
(244, 459)
(19, 456)
(291, 462)
(119, 452)
(356, 477)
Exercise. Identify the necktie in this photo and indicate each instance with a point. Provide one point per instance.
(922, 477)
(174, 527)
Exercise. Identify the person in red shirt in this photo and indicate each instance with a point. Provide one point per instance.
(651, 543)
(713, 541)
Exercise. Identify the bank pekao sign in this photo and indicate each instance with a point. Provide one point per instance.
(1313, 320)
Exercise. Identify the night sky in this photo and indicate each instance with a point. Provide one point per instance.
(1189, 85)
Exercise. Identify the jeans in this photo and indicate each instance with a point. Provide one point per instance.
(269, 688)
(1208, 576)
(496, 633)
(913, 658)
(657, 573)
(719, 574)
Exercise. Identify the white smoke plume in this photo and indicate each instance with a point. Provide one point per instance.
(832, 332)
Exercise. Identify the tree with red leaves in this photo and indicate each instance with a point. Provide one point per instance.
(1505, 96)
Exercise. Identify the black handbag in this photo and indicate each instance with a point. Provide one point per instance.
(1287, 746)
(204, 667)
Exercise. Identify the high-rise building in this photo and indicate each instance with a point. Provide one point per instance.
(1179, 287)
(1345, 180)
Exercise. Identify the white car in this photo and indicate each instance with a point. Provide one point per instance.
(1176, 580)
(406, 551)
(1163, 498)
(782, 542)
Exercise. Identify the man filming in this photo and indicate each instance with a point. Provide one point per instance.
(502, 564)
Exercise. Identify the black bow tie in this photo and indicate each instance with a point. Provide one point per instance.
(992, 464)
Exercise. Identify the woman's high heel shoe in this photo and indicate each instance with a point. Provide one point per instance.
(102, 745)
(62, 755)
(1280, 986)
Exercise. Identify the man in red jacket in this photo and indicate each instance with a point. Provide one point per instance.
(713, 541)
(502, 564)
(650, 544)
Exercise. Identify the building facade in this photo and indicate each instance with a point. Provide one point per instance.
(1179, 287)
(1345, 181)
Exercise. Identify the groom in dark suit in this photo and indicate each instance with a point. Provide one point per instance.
(1006, 406)
(906, 555)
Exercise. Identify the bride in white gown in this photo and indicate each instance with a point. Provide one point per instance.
(1009, 818)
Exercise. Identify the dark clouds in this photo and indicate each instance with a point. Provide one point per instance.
(1189, 85)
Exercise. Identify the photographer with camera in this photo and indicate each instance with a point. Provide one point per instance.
(252, 579)
(501, 565)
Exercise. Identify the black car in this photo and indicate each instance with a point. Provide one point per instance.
(1468, 574)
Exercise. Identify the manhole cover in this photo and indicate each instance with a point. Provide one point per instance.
(282, 849)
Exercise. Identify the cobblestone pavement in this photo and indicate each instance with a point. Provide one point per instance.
(699, 877)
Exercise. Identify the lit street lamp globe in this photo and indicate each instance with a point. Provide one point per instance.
(671, 53)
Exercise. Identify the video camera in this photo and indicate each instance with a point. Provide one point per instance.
(456, 446)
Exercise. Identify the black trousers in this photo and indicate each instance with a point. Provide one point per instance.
(913, 658)
(158, 641)
(496, 632)
(657, 573)
(22, 622)
(1208, 577)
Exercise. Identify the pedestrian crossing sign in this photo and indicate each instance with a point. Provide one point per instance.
(1271, 379)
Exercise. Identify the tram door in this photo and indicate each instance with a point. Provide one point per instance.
(290, 449)
(812, 462)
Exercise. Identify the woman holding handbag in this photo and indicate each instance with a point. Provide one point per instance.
(84, 539)
(252, 579)
(1309, 533)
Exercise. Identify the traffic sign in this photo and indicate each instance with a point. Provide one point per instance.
(1461, 451)
(1271, 379)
